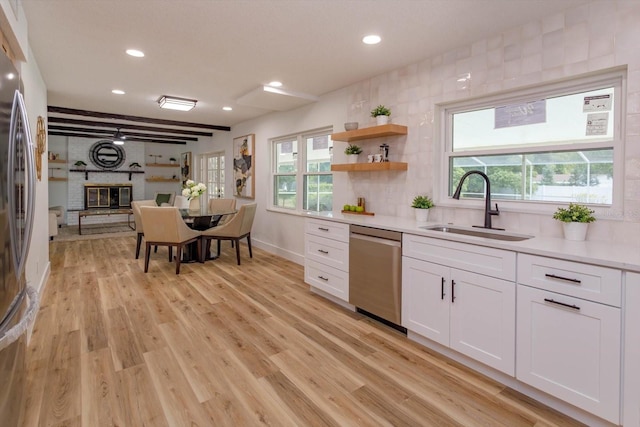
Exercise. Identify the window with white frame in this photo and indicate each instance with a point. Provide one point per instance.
(558, 143)
(303, 161)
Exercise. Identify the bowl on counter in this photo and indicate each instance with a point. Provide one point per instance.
(351, 126)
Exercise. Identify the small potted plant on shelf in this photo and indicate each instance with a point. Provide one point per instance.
(134, 166)
(575, 220)
(421, 205)
(80, 165)
(381, 114)
(352, 152)
(172, 160)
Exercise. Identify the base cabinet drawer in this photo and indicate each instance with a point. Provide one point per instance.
(329, 229)
(328, 279)
(590, 282)
(570, 348)
(327, 251)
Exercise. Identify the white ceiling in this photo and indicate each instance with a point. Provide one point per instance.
(221, 51)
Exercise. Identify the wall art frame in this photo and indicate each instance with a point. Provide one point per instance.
(186, 167)
(244, 166)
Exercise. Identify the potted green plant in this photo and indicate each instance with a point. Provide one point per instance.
(172, 160)
(421, 205)
(80, 164)
(381, 114)
(352, 152)
(575, 220)
(134, 165)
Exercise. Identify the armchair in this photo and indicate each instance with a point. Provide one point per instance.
(235, 229)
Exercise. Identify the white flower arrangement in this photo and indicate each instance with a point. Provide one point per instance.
(192, 190)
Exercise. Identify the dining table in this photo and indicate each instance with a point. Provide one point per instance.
(201, 219)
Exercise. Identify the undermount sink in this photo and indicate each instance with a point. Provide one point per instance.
(478, 232)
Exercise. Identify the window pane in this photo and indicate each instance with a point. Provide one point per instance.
(572, 176)
(318, 153)
(318, 193)
(285, 191)
(286, 156)
(577, 118)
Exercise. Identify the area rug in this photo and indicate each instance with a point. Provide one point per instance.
(94, 231)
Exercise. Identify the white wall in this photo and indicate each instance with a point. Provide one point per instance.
(588, 38)
(35, 98)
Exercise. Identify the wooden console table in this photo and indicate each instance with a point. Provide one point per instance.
(95, 212)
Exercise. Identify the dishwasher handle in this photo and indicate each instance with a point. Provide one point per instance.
(378, 240)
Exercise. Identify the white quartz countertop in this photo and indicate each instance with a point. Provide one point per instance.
(606, 254)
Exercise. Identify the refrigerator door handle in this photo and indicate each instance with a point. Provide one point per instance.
(10, 336)
(19, 112)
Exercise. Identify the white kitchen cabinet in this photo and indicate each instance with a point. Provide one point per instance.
(471, 313)
(326, 265)
(568, 346)
(631, 377)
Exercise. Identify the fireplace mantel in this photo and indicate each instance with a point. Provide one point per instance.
(88, 171)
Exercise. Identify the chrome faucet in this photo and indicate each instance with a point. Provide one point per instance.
(487, 198)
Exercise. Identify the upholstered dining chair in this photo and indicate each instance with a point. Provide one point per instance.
(137, 218)
(220, 205)
(238, 227)
(163, 226)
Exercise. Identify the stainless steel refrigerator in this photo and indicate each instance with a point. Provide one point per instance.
(17, 195)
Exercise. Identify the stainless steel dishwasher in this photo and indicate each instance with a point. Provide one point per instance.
(375, 272)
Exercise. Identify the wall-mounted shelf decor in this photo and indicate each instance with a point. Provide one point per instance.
(162, 165)
(367, 167)
(162, 180)
(370, 132)
(57, 179)
(58, 161)
(86, 172)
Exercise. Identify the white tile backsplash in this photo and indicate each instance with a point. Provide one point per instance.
(587, 38)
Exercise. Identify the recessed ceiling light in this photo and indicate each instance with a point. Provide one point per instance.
(275, 84)
(371, 39)
(227, 108)
(135, 52)
(118, 92)
(11, 76)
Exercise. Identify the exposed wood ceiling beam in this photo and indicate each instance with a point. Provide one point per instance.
(122, 126)
(133, 139)
(108, 132)
(75, 112)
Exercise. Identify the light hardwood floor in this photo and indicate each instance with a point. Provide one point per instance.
(223, 345)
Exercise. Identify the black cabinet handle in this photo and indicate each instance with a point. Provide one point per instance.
(553, 276)
(442, 289)
(453, 293)
(571, 306)
(323, 251)
(323, 278)
(323, 229)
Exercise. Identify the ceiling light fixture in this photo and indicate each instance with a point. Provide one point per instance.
(135, 52)
(173, 103)
(371, 39)
(227, 108)
(275, 84)
(117, 92)
(118, 138)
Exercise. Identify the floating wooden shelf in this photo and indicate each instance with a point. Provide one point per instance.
(370, 132)
(162, 180)
(57, 179)
(58, 161)
(364, 167)
(162, 165)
